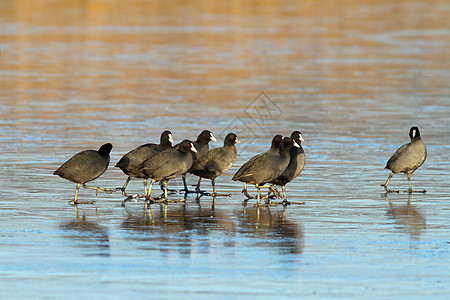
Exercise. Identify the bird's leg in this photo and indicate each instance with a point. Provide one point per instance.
(147, 194)
(197, 187)
(275, 192)
(149, 191)
(165, 190)
(75, 200)
(99, 189)
(184, 183)
(145, 187)
(122, 189)
(165, 199)
(76, 192)
(258, 195)
(186, 189)
(410, 190)
(273, 189)
(214, 193)
(285, 202)
(246, 192)
(386, 184)
(130, 197)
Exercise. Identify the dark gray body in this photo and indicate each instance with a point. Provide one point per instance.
(131, 161)
(216, 161)
(265, 167)
(201, 144)
(86, 165)
(167, 164)
(296, 162)
(274, 149)
(408, 157)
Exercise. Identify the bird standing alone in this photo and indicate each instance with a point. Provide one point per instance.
(407, 159)
(85, 166)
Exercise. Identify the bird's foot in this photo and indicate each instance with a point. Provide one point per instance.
(76, 202)
(134, 198)
(410, 191)
(390, 191)
(284, 202)
(276, 193)
(200, 191)
(187, 191)
(219, 195)
(99, 189)
(246, 194)
(122, 190)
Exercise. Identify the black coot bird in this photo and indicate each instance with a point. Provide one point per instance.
(131, 161)
(202, 146)
(85, 166)
(295, 166)
(216, 161)
(266, 167)
(407, 159)
(166, 165)
(274, 148)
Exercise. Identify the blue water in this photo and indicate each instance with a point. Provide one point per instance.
(352, 78)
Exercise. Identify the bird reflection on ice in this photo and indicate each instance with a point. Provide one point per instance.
(87, 235)
(186, 227)
(407, 217)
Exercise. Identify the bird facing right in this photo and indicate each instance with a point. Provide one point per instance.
(216, 161)
(166, 165)
(131, 161)
(296, 164)
(407, 159)
(266, 167)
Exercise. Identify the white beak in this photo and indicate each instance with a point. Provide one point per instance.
(296, 145)
(170, 138)
(213, 138)
(301, 138)
(193, 148)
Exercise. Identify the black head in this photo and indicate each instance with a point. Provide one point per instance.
(287, 143)
(166, 139)
(231, 139)
(276, 141)
(187, 146)
(414, 133)
(297, 136)
(105, 149)
(205, 137)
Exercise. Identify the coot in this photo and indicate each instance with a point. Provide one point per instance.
(295, 166)
(167, 165)
(266, 167)
(202, 146)
(131, 161)
(407, 159)
(216, 161)
(85, 166)
(274, 148)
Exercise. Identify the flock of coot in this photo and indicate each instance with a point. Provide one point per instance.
(282, 163)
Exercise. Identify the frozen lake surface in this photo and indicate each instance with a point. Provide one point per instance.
(353, 77)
